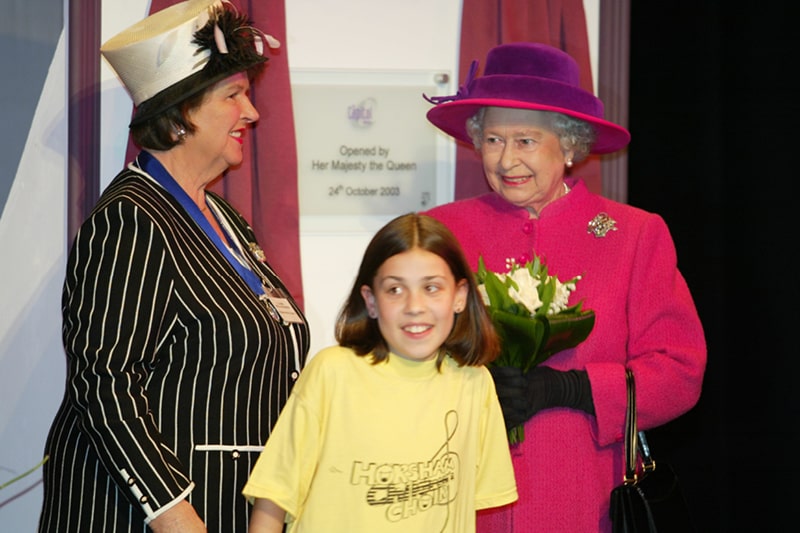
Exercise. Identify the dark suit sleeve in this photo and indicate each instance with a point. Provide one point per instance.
(117, 289)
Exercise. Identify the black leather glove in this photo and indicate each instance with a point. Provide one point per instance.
(523, 395)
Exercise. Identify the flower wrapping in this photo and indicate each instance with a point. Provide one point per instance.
(530, 311)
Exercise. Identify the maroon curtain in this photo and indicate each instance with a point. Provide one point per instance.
(83, 137)
(487, 23)
(264, 187)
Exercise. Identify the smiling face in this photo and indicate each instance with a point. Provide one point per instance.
(522, 157)
(415, 297)
(221, 121)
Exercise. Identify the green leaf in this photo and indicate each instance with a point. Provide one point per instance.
(564, 332)
(529, 341)
(522, 336)
(481, 274)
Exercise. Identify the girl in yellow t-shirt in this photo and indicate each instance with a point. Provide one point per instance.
(398, 427)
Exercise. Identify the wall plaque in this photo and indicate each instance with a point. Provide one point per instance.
(364, 146)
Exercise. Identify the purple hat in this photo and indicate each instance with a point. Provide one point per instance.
(526, 76)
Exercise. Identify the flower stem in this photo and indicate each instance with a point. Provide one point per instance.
(7, 483)
(516, 434)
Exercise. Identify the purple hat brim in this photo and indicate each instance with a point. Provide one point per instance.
(451, 117)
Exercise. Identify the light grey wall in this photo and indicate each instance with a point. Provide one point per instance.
(28, 41)
(32, 235)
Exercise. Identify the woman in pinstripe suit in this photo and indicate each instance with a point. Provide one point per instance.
(182, 343)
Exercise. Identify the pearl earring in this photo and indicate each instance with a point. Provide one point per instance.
(569, 163)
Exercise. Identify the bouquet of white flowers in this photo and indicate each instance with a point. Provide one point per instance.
(529, 309)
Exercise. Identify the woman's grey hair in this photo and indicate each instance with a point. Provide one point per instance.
(573, 133)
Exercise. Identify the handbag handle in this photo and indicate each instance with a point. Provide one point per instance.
(635, 440)
(631, 437)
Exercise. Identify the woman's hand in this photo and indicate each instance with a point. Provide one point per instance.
(180, 519)
(523, 395)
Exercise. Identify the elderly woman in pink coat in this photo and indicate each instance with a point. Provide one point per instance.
(530, 122)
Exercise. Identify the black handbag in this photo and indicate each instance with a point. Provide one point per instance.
(649, 499)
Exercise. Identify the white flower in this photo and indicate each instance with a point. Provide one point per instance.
(527, 291)
(561, 297)
(484, 294)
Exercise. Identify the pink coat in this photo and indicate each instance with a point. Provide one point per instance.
(645, 319)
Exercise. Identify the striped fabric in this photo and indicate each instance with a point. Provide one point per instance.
(176, 372)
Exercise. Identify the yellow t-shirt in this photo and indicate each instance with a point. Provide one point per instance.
(392, 447)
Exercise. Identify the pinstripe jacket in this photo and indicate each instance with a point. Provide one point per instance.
(176, 372)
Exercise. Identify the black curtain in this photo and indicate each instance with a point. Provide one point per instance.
(714, 108)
